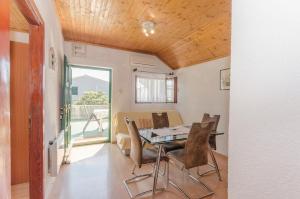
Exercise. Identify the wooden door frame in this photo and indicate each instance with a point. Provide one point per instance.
(36, 117)
(5, 179)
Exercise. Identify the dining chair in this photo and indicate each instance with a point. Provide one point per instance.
(140, 156)
(216, 118)
(194, 154)
(213, 146)
(161, 120)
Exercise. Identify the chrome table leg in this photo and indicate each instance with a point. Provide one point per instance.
(156, 170)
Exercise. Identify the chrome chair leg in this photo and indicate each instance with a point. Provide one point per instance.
(215, 164)
(136, 179)
(215, 167)
(179, 189)
(210, 192)
(213, 170)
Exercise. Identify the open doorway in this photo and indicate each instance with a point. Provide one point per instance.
(19, 106)
(19, 103)
(26, 100)
(91, 105)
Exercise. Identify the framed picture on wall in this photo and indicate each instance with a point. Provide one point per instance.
(225, 79)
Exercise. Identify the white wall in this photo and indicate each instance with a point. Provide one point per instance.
(21, 37)
(52, 79)
(264, 141)
(199, 92)
(122, 81)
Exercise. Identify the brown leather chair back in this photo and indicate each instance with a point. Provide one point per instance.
(196, 147)
(160, 120)
(136, 148)
(215, 119)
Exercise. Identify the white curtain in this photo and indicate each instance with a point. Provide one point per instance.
(151, 88)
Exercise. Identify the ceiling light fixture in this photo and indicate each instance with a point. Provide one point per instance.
(148, 28)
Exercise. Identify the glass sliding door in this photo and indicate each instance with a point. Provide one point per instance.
(66, 109)
(91, 105)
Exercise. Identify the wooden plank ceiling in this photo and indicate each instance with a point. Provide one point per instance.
(17, 21)
(187, 32)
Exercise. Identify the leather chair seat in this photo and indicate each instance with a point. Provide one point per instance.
(173, 146)
(178, 155)
(149, 156)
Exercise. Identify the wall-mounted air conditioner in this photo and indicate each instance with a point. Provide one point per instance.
(78, 50)
(144, 61)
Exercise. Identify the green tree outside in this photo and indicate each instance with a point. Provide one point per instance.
(93, 98)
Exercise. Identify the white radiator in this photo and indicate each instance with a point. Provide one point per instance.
(56, 154)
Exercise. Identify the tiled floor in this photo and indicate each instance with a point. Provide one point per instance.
(97, 172)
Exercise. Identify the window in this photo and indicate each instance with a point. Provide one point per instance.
(170, 90)
(155, 88)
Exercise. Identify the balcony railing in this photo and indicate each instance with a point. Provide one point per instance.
(83, 112)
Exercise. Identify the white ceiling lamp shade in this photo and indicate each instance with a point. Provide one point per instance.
(148, 28)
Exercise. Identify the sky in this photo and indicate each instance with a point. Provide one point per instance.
(100, 74)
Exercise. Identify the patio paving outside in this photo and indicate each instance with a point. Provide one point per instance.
(92, 130)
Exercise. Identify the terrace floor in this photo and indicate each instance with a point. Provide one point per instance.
(92, 134)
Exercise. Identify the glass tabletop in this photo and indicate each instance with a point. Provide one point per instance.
(151, 137)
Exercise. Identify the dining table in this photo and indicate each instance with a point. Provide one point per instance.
(159, 137)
